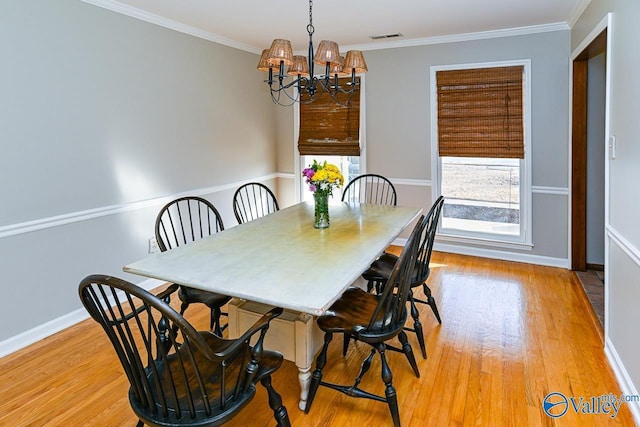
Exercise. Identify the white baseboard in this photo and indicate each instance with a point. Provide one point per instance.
(45, 330)
(626, 384)
(503, 255)
(495, 254)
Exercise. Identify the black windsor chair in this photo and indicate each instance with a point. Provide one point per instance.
(179, 376)
(252, 201)
(183, 221)
(372, 189)
(378, 274)
(374, 320)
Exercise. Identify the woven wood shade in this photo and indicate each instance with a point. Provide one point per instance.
(480, 112)
(330, 129)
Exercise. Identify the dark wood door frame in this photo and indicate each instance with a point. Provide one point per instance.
(579, 151)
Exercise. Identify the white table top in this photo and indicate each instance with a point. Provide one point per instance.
(281, 259)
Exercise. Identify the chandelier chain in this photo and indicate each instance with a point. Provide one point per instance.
(310, 28)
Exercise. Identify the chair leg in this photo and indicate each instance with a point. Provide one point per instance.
(364, 368)
(140, 424)
(316, 377)
(431, 301)
(214, 322)
(345, 344)
(183, 307)
(408, 351)
(390, 391)
(275, 403)
(417, 325)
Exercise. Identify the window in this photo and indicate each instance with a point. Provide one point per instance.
(481, 151)
(331, 128)
(331, 132)
(349, 166)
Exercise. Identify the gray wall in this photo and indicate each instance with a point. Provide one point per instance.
(99, 111)
(596, 151)
(622, 259)
(103, 112)
(398, 123)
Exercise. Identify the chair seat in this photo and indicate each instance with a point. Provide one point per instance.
(381, 269)
(352, 314)
(211, 373)
(270, 361)
(210, 299)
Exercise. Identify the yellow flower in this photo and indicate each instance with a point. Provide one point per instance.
(323, 177)
(332, 168)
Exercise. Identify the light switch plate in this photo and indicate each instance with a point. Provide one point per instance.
(612, 146)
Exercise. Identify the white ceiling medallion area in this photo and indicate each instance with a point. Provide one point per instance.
(229, 23)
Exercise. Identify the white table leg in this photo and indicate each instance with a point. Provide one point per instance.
(294, 334)
(309, 339)
(304, 376)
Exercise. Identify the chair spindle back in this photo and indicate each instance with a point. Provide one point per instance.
(252, 201)
(174, 373)
(184, 220)
(370, 188)
(390, 314)
(426, 243)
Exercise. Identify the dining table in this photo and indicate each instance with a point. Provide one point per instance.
(282, 260)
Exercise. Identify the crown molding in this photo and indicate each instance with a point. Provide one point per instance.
(454, 38)
(577, 12)
(142, 15)
(186, 29)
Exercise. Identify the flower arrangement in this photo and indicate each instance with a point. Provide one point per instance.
(323, 177)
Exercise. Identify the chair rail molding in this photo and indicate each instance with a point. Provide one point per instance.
(78, 216)
(560, 191)
(629, 248)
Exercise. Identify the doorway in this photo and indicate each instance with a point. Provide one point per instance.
(589, 166)
(588, 156)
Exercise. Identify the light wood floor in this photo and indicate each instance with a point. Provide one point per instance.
(511, 334)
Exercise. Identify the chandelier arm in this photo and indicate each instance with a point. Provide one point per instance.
(306, 87)
(352, 85)
(292, 83)
(276, 96)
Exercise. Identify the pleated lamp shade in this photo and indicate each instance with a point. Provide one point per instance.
(355, 60)
(328, 51)
(300, 66)
(280, 51)
(264, 63)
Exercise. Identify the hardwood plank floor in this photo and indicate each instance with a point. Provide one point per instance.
(511, 334)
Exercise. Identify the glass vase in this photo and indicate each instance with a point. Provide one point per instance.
(321, 210)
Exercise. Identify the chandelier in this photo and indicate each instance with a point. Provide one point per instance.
(281, 64)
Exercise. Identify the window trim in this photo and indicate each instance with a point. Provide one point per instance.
(524, 240)
(297, 163)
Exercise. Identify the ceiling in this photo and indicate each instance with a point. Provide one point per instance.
(252, 24)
